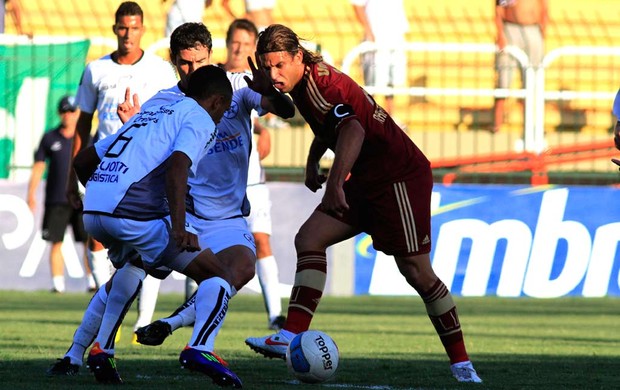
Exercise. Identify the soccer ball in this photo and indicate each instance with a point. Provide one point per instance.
(312, 356)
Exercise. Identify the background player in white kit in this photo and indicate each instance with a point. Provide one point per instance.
(140, 179)
(241, 39)
(102, 87)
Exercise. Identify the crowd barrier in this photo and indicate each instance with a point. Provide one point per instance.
(550, 242)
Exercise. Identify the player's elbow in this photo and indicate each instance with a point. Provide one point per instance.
(85, 163)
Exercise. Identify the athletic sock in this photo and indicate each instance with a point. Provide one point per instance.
(147, 299)
(267, 272)
(184, 315)
(59, 283)
(100, 266)
(211, 306)
(442, 312)
(87, 330)
(90, 279)
(125, 287)
(307, 290)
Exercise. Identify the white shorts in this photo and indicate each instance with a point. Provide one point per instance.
(217, 236)
(254, 5)
(125, 237)
(259, 220)
(385, 68)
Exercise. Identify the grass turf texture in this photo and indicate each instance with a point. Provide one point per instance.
(386, 343)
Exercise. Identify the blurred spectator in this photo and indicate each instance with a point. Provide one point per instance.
(14, 8)
(105, 82)
(258, 12)
(55, 147)
(385, 23)
(519, 23)
(183, 11)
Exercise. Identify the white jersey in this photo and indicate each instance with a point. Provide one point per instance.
(129, 182)
(218, 189)
(104, 81)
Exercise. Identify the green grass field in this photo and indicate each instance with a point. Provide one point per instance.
(386, 343)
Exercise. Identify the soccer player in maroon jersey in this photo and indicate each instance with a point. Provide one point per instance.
(380, 183)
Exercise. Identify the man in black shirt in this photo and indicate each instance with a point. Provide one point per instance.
(55, 147)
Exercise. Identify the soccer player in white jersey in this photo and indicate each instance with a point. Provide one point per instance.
(101, 89)
(134, 204)
(218, 215)
(241, 40)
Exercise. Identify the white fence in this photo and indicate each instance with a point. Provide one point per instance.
(533, 93)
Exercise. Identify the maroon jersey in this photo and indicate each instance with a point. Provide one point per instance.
(328, 98)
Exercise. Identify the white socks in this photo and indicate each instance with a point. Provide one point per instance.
(125, 285)
(100, 266)
(211, 306)
(59, 283)
(267, 272)
(86, 332)
(147, 301)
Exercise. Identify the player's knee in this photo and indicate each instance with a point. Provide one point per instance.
(304, 240)
(242, 276)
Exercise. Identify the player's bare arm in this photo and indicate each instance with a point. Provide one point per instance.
(176, 188)
(314, 179)
(350, 139)
(273, 100)
(80, 140)
(263, 143)
(85, 164)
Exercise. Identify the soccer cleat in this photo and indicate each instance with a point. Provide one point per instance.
(211, 365)
(117, 336)
(103, 365)
(272, 346)
(277, 323)
(465, 372)
(63, 367)
(153, 334)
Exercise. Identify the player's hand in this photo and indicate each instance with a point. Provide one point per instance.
(314, 179)
(185, 240)
(260, 81)
(616, 161)
(334, 200)
(129, 107)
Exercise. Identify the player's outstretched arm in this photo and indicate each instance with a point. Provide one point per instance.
(273, 100)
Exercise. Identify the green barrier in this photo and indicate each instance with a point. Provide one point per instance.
(34, 75)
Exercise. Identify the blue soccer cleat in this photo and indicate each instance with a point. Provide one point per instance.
(211, 365)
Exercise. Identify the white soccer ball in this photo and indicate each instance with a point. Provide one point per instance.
(312, 356)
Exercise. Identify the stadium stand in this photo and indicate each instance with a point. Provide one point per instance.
(432, 120)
